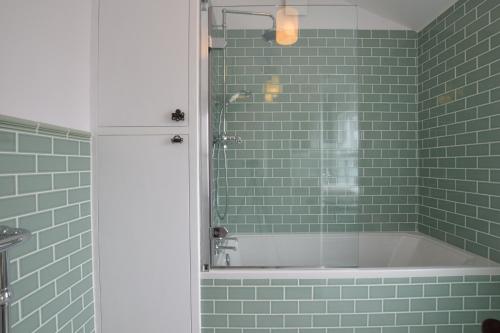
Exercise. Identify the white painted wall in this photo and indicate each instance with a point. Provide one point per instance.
(45, 61)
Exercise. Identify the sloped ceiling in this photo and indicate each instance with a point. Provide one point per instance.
(412, 14)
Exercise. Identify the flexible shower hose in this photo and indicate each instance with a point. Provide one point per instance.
(216, 153)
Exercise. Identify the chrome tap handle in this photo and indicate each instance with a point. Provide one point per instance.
(223, 247)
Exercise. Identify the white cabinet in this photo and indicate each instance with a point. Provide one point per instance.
(143, 191)
(143, 62)
(145, 68)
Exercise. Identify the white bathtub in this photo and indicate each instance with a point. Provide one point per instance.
(345, 255)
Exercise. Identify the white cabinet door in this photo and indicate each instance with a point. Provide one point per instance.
(143, 190)
(143, 62)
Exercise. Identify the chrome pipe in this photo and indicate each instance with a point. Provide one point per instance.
(241, 12)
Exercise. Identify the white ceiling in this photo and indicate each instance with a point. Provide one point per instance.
(409, 14)
(312, 17)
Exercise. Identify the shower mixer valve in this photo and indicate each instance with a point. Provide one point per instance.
(219, 246)
(222, 245)
(221, 240)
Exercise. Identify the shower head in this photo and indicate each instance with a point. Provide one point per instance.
(269, 35)
(242, 94)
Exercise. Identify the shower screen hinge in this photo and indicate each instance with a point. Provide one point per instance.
(204, 5)
(216, 42)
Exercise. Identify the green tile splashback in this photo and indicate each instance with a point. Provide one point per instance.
(45, 188)
(459, 128)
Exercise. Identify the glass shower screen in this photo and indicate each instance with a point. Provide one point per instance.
(284, 138)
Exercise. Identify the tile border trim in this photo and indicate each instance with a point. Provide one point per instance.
(18, 124)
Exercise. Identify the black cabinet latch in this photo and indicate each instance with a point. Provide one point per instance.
(178, 115)
(177, 139)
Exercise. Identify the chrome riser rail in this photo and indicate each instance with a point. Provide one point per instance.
(5, 294)
(9, 237)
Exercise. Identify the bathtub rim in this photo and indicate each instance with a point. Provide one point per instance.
(266, 272)
(334, 273)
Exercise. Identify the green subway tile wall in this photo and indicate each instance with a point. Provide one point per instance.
(45, 188)
(459, 127)
(336, 150)
(391, 305)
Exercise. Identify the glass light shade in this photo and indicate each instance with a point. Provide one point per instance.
(287, 26)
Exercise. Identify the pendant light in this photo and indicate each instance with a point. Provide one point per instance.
(287, 26)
